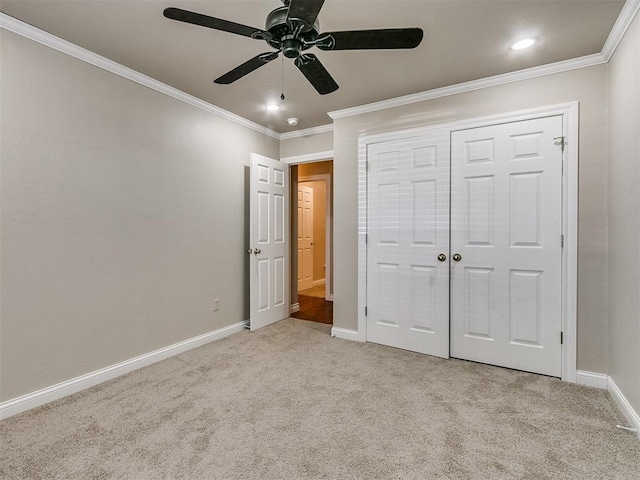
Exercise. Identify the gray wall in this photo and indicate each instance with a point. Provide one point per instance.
(624, 216)
(589, 87)
(122, 217)
(321, 142)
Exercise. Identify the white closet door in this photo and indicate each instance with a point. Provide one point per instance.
(506, 211)
(408, 225)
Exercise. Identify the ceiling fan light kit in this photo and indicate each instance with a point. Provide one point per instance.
(294, 28)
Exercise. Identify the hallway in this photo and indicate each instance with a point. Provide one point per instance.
(313, 306)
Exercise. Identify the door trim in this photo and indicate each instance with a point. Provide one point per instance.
(570, 115)
(326, 178)
(309, 158)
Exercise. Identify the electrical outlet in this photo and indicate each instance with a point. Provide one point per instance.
(216, 304)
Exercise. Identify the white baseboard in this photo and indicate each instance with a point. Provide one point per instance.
(295, 307)
(345, 334)
(623, 404)
(605, 382)
(69, 387)
(318, 282)
(591, 379)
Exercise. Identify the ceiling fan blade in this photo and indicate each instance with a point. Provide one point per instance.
(211, 22)
(305, 10)
(317, 75)
(390, 38)
(246, 68)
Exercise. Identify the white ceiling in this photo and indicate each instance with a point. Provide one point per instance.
(464, 40)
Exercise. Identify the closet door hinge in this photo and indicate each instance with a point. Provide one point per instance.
(562, 241)
(561, 338)
(365, 311)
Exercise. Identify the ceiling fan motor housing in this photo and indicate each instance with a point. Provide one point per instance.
(291, 47)
(283, 33)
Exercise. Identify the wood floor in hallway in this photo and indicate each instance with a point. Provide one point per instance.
(314, 309)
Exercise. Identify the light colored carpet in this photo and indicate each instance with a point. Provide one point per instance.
(289, 402)
(318, 291)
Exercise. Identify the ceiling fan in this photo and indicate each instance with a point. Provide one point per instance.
(292, 29)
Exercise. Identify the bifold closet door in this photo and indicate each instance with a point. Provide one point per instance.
(408, 243)
(506, 213)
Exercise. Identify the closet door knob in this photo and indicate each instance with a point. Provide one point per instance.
(257, 251)
(456, 257)
(442, 257)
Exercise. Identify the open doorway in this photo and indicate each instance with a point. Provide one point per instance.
(311, 225)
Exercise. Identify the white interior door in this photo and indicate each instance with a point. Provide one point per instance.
(269, 241)
(506, 214)
(305, 237)
(408, 225)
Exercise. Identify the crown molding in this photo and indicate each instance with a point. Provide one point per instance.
(624, 20)
(307, 132)
(627, 14)
(626, 17)
(29, 31)
(517, 76)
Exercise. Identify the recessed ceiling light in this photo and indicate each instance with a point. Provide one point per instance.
(273, 107)
(522, 44)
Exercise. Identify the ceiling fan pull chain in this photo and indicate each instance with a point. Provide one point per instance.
(282, 78)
